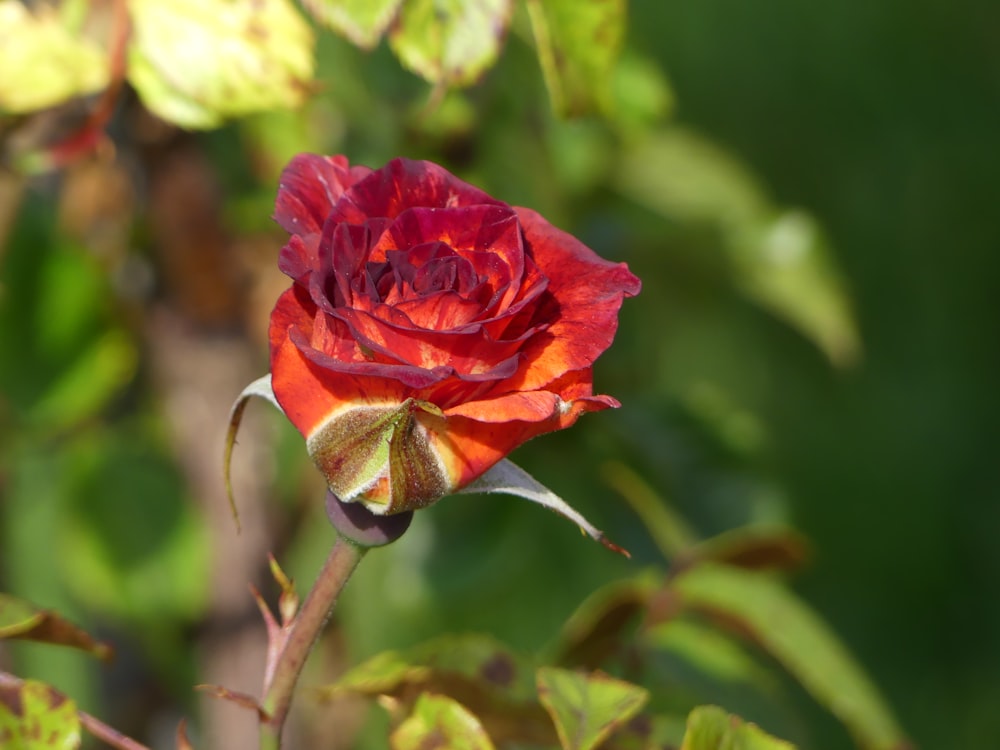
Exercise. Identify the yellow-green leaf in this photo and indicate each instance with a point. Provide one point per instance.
(792, 633)
(450, 42)
(362, 21)
(440, 722)
(711, 728)
(197, 62)
(587, 708)
(578, 44)
(35, 716)
(43, 62)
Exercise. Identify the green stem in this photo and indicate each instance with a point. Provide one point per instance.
(308, 624)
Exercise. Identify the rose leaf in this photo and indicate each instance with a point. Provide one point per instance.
(587, 708)
(450, 42)
(197, 62)
(361, 21)
(45, 63)
(439, 721)
(578, 42)
(766, 611)
(711, 728)
(19, 619)
(35, 716)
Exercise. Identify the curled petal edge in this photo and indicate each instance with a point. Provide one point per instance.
(510, 479)
(261, 388)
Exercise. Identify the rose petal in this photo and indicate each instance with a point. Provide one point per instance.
(473, 444)
(584, 295)
(470, 351)
(403, 183)
(308, 188)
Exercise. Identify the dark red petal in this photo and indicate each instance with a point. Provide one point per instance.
(582, 301)
(308, 188)
(469, 352)
(403, 184)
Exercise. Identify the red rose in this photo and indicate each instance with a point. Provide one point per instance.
(430, 328)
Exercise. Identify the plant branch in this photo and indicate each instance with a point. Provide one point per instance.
(306, 628)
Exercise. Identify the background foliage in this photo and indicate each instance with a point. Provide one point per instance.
(807, 193)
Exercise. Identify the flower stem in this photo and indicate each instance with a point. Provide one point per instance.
(309, 622)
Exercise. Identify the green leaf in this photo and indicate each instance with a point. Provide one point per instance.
(711, 728)
(777, 258)
(132, 544)
(20, 619)
(489, 679)
(450, 42)
(64, 358)
(587, 708)
(775, 618)
(783, 263)
(197, 62)
(578, 43)
(34, 716)
(471, 658)
(362, 21)
(599, 626)
(711, 652)
(44, 63)
(440, 722)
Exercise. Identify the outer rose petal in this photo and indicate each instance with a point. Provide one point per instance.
(308, 188)
(473, 444)
(588, 291)
(403, 184)
(307, 394)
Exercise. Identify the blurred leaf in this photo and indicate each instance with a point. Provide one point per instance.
(643, 97)
(90, 382)
(479, 659)
(778, 259)
(783, 263)
(599, 626)
(791, 632)
(440, 722)
(685, 177)
(578, 43)
(44, 62)
(20, 619)
(711, 728)
(711, 652)
(131, 544)
(670, 532)
(64, 357)
(197, 62)
(35, 716)
(586, 709)
(754, 547)
(362, 21)
(490, 681)
(450, 42)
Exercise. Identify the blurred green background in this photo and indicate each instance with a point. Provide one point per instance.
(807, 192)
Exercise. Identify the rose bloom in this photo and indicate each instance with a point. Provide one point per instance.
(430, 329)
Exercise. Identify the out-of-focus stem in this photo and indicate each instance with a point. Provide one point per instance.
(309, 622)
